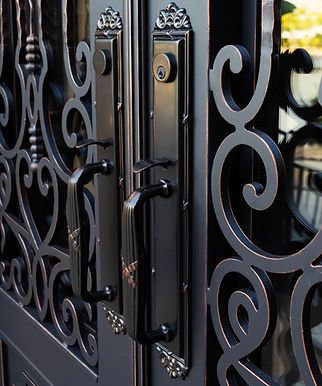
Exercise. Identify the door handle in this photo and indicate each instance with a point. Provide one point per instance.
(78, 231)
(135, 266)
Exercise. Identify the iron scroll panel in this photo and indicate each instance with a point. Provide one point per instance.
(47, 111)
(246, 319)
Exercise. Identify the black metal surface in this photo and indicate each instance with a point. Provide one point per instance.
(105, 143)
(78, 231)
(47, 109)
(261, 295)
(146, 164)
(172, 117)
(109, 111)
(136, 266)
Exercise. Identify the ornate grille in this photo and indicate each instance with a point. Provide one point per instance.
(245, 310)
(45, 111)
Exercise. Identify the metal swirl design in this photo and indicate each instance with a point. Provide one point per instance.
(248, 316)
(173, 18)
(110, 20)
(34, 260)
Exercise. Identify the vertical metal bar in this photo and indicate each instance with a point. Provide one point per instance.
(135, 90)
(2, 379)
(128, 118)
(135, 98)
(128, 94)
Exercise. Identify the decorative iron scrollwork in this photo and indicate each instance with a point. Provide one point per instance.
(110, 20)
(173, 18)
(245, 318)
(34, 260)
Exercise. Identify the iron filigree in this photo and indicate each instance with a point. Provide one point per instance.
(173, 18)
(35, 167)
(174, 366)
(110, 20)
(244, 318)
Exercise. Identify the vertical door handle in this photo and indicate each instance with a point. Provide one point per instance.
(78, 231)
(135, 266)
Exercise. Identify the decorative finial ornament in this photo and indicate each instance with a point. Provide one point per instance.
(116, 322)
(110, 20)
(173, 366)
(173, 18)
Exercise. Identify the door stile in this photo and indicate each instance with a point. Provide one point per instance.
(135, 54)
(136, 114)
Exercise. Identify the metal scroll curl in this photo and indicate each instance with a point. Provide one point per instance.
(247, 318)
(34, 172)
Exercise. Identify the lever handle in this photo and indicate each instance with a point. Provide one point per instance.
(135, 266)
(78, 231)
(104, 143)
(146, 164)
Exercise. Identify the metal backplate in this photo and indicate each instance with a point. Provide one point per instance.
(170, 71)
(107, 67)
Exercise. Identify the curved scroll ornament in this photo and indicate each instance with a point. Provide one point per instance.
(34, 172)
(173, 18)
(246, 319)
(110, 20)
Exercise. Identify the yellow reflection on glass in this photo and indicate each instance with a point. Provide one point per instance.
(302, 28)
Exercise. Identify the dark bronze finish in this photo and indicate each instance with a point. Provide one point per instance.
(136, 266)
(245, 314)
(46, 108)
(115, 321)
(105, 143)
(146, 164)
(102, 62)
(78, 231)
(108, 64)
(163, 67)
(172, 53)
(173, 365)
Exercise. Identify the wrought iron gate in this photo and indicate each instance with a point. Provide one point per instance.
(265, 297)
(160, 192)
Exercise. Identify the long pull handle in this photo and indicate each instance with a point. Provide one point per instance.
(78, 231)
(135, 266)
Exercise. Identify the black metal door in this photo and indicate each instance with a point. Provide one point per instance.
(99, 102)
(265, 270)
(160, 217)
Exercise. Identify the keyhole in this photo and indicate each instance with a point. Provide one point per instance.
(161, 72)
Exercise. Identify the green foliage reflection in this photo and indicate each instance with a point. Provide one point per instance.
(302, 24)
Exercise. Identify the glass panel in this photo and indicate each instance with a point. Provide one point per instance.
(300, 140)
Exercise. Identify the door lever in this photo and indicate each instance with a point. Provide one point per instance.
(104, 143)
(146, 164)
(135, 266)
(78, 231)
